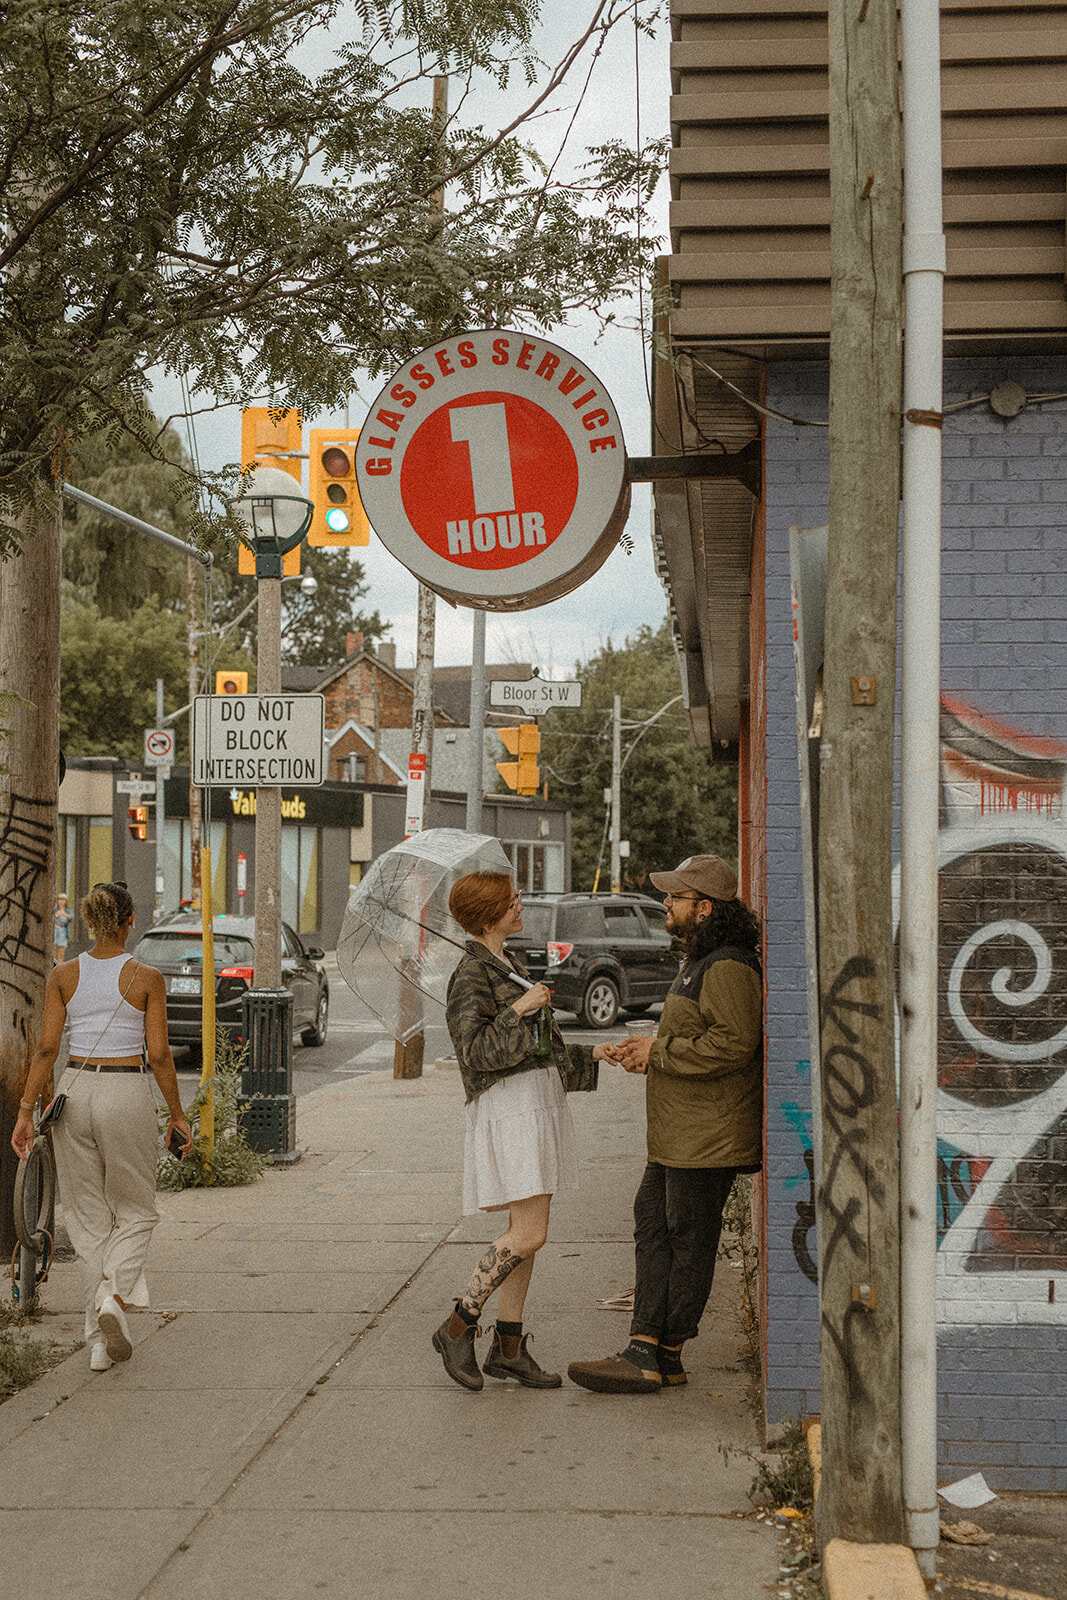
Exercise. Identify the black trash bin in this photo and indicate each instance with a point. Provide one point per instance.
(267, 1099)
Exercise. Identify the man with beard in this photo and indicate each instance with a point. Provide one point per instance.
(704, 1104)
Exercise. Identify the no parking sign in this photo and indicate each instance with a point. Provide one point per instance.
(493, 466)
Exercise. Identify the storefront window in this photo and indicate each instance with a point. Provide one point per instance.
(300, 878)
(537, 866)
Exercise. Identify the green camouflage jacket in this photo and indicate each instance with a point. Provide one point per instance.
(491, 1040)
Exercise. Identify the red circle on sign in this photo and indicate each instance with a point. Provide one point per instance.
(489, 481)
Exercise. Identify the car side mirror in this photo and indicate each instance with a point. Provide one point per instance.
(313, 954)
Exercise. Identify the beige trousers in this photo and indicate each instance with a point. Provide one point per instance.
(105, 1146)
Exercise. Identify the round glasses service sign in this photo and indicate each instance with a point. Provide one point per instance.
(493, 466)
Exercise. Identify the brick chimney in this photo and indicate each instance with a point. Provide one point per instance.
(353, 643)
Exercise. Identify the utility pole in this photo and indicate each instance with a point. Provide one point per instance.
(194, 690)
(29, 789)
(616, 795)
(861, 1497)
(476, 755)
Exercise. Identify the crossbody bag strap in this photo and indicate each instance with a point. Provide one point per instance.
(108, 1023)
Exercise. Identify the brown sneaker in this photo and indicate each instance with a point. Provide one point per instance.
(614, 1375)
(461, 1363)
(523, 1366)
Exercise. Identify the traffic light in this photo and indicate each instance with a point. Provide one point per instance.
(272, 436)
(231, 683)
(339, 517)
(138, 821)
(522, 774)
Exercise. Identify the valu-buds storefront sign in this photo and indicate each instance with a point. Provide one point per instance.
(493, 466)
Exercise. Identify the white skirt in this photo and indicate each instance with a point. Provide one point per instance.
(520, 1141)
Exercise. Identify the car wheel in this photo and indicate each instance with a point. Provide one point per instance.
(600, 1006)
(316, 1034)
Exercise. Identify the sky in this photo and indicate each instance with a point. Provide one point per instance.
(625, 593)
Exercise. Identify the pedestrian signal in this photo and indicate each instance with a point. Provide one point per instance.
(339, 517)
(231, 683)
(137, 821)
(523, 774)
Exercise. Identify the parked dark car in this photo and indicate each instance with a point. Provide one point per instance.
(176, 946)
(599, 953)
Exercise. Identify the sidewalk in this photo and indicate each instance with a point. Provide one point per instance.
(284, 1428)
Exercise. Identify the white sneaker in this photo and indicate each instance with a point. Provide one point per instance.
(99, 1360)
(115, 1328)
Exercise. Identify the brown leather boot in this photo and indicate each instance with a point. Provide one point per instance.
(521, 1366)
(461, 1363)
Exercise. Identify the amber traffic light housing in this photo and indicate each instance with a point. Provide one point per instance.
(339, 517)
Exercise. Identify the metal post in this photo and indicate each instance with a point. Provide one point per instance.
(268, 911)
(475, 768)
(616, 794)
(161, 811)
(924, 271)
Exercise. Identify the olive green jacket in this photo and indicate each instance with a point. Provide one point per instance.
(704, 1091)
(491, 1040)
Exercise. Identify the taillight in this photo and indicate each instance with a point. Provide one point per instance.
(558, 952)
(244, 973)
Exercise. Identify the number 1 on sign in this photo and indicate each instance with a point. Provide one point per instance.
(484, 430)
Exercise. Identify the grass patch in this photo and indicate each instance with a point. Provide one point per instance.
(788, 1483)
(232, 1161)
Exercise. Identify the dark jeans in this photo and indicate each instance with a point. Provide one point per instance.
(677, 1223)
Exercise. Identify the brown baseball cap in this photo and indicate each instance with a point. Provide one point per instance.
(707, 876)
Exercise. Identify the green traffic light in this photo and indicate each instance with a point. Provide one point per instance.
(337, 521)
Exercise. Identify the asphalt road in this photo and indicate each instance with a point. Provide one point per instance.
(357, 1043)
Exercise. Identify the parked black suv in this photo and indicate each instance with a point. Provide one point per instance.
(175, 945)
(599, 953)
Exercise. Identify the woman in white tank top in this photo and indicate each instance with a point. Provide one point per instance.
(106, 1141)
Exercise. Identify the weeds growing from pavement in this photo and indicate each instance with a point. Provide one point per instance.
(232, 1161)
(739, 1249)
(788, 1483)
(22, 1358)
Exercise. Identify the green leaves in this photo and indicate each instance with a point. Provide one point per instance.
(675, 801)
(245, 192)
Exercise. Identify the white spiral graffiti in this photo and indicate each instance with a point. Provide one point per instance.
(1039, 1050)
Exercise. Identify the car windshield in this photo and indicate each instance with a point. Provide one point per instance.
(162, 947)
(536, 919)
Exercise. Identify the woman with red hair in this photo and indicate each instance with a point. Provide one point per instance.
(520, 1142)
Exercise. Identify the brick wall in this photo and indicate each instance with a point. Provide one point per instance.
(1002, 1104)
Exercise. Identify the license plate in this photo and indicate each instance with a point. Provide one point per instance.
(185, 986)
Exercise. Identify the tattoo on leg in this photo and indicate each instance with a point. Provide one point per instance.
(488, 1275)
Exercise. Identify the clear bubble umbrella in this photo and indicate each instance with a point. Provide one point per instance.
(399, 944)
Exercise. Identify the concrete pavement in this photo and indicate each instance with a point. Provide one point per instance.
(284, 1428)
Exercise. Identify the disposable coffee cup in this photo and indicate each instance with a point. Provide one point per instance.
(642, 1028)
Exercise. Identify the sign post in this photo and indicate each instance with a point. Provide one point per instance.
(416, 803)
(159, 752)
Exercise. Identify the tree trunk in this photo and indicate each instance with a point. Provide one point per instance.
(860, 1268)
(29, 668)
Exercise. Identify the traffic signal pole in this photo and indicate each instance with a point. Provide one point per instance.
(616, 795)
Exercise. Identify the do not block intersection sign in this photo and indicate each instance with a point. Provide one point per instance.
(261, 741)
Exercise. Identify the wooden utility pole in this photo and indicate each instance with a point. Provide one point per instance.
(408, 1057)
(29, 789)
(860, 1269)
(191, 613)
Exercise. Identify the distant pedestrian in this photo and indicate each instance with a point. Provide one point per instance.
(106, 1140)
(520, 1141)
(62, 919)
(704, 1101)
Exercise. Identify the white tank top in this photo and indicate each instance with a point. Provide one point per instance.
(93, 1002)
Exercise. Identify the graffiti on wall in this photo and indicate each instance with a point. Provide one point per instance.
(1002, 1046)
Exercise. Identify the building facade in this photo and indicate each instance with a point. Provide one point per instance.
(748, 334)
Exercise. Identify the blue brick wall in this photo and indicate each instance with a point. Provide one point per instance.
(1003, 1290)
